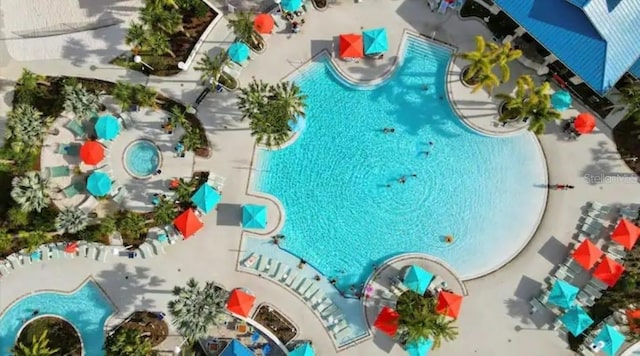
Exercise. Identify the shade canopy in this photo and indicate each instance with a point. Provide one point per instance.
(587, 254)
(350, 46)
(563, 294)
(608, 271)
(417, 279)
(206, 198)
(633, 317)
(99, 184)
(71, 248)
(107, 127)
(291, 5)
(419, 347)
(375, 41)
(611, 340)
(449, 304)
(303, 350)
(92, 152)
(188, 223)
(387, 321)
(236, 348)
(240, 302)
(238, 52)
(561, 100)
(626, 234)
(584, 123)
(263, 23)
(576, 320)
(254, 216)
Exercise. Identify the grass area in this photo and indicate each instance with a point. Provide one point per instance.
(626, 137)
(60, 333)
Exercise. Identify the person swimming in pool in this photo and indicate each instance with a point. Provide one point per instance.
(448, 239)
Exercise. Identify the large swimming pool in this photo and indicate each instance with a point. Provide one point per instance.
(345, 208)
(87, 309)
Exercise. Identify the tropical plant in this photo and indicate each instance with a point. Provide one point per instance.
(530, 103)
(195, 309)
(243, 27)
(165, 212)
(145, 96)
(123, 93)
(6, 240)
(127, 94)
(71, 220)
(33, 239)
(211, 68)
(158, 44)
(479, 61)
(39, 346)
(516, 105)
(17, 218)
(628, 99)
(479, 72)
(540, 115)
(177, 118)
(136, 36)
(26, 128)
(193, 139)
(501, 56)
(290, 97)
(253, 98)
(27, 89)
(131, 225)
(418, 320)
(159, 19)
(127, 341)
(80, 101)
(30, 191)
(185, 190)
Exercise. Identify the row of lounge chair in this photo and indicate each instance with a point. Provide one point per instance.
(78, 130)
(306, 288)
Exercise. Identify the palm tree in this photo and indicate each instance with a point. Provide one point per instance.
(126, 341)
(253, 98)
(195, 309)
(418, 320)
(192, 139)
(289, 95)
(177, 118)
(145, 96)
(136, 36)
(30, 191)
(165, 212)
(479, 61)
(540, 115)
(270, 127)
(485, 80)
(33, 239)
(39, 346)
(629, 99)
(158, 43)
(161, 20)
(123, 93)
(211, 68)
(515, 106)
(71, 220)
(131, 225)
(185, 190)
(26, 128)
(79, 100)
(501, 56)
(242, 26)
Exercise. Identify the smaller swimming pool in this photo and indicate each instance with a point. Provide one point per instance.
(142, 159)
(87, 309)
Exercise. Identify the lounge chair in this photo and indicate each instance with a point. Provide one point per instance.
(600, 207)
(125, 120)
(145, 250)
(585, 298)
(328, 311)
(106, 143)
(339, 326)
(73, 190)
(291, 280)
(249, 261)
(45, 253)
(4, 268)
(629, 213)
(92, 252)
(274, 271)
(591, 290)
(596, 214)
(119, 197)
(311, 291)
(89, 204)
(591, 230)
(267, 267)
(69, 149)
(536, 305)
(15, 261)
(261, 263)
(76, 128)
(573, 265)
(282, 273)
(326, 303)
(57, 171)
(304, 286)
(157, 247)
(103, 253)
(232, 71)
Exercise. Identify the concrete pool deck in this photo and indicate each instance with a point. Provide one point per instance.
(495, 320)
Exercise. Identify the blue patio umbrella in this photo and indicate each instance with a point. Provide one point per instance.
(419, 348)
(375, 41)
(303, 350)
(417, 279)
(238, 52)
(99, 184)
(107, 127)
(291, 5)
(609, 340)
(236, 348)
(266, 349)
(576, 320)
(561, 100)
(255, 337)
(206, 198)
(254, 216)
(563, 294)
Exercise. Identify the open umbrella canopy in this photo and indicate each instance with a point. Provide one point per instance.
(236, 348)
(584, 123)
(387, 321)
(92, 152)
(238, 52)
(587, 254)
(263, 24)
(608, 271)
(206, 198)
(188, 223)
(303, 350)
(71, 248)
(99, 184)
(417, 279)
(254, 216)
(561, 100)
(576, 320)
(107, 127)
(610, 340)
(375, 41)
(240, 302)
(626, 234)
(563, 294)
(350, 46)
(291, 5)
(449, 304)
(419, 347)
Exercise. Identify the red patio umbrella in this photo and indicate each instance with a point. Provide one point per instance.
(633, 318)
(387, 321)
(449, 304)
(587, 254)
(188, 223)
(263, 23)
(240, 302)
(608, 271)
(584, 123)
(626, 234)
(351, 46)
(71, 247)
(92, 152)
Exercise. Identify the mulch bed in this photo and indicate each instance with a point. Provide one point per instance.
(625, 136)
(277, 323)
(60, 333)
(149, 326)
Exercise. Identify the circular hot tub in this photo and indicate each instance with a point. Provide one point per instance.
(142, 159)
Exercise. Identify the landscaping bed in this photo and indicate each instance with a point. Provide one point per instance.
(275, 322)
(60, 333)
(148, 325)
(625, 136)
(473, 9)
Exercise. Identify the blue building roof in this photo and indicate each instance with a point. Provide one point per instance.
(598, 40)
(236, 348)
(635, 69)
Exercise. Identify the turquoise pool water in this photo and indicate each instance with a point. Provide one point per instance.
(338, 182)
(142, 158)
(87, 309)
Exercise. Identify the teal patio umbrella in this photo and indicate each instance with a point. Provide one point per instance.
(254, 216)
(107, 127)
(375, 41)
(238, 52)
(419, 348)
(561, 100)
(303, 350)
(417, 279)
(236, 348)
(576, 320)
(291, 5)
(206, 198)
(563, 294)
(609, 340)
(99, 184)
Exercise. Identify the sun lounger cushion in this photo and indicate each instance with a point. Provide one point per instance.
(76, 128)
